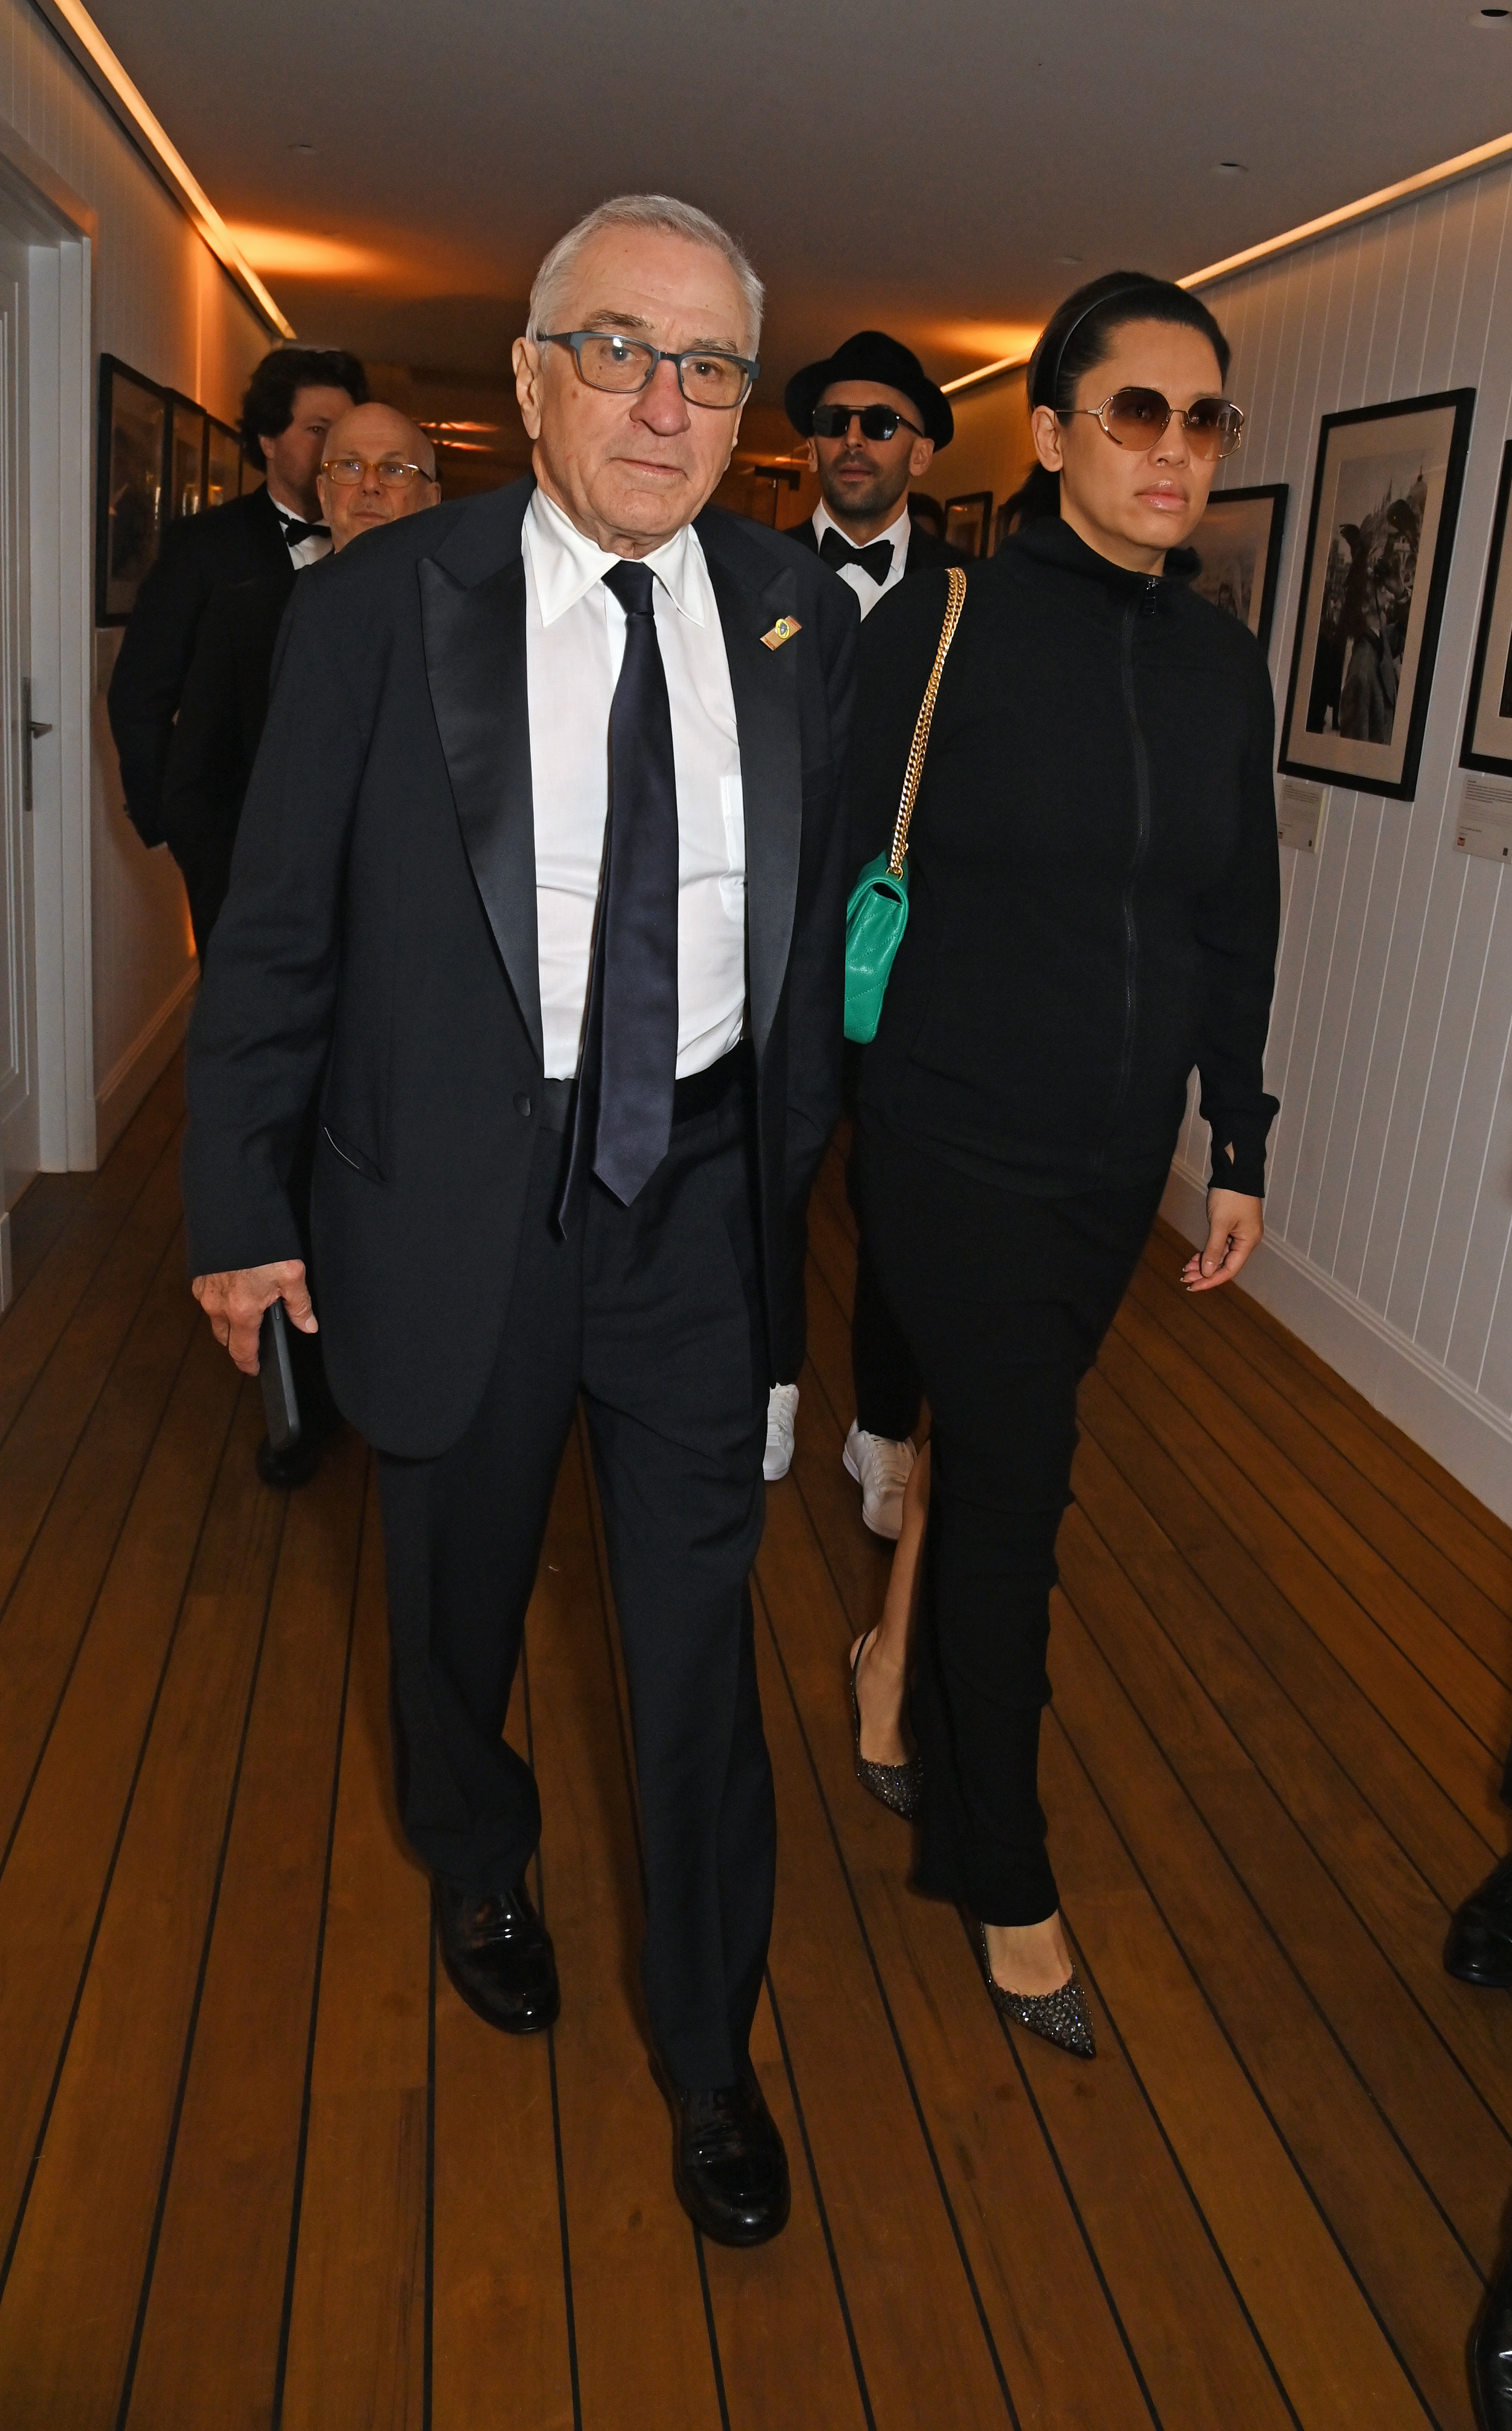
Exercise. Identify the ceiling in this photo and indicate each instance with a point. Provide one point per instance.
(945, 171)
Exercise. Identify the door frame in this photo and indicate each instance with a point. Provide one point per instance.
(59, 228)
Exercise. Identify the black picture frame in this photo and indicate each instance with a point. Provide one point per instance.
(133, 436)
(968, 521)
(183, 463)
(1241, 562)
(1487, 743)
(1387, 482)
(223, 462)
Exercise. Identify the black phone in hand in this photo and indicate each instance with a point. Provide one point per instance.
(280, 1403)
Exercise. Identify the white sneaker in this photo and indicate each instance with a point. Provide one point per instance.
(781, 1409)
(881, 1469)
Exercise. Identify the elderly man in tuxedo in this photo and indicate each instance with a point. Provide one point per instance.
(540, 882)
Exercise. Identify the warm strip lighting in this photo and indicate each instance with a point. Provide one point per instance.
(1463, 165)
(1446, 172)
(85, 38)
(298, 256)
(989, 371)
(1007, 342)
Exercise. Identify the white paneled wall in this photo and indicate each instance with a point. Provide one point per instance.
(1390, 1202)
(163, 303)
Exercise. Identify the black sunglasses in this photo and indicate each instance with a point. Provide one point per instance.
(877, 422)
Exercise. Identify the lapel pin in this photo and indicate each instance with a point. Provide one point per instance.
(781, 631)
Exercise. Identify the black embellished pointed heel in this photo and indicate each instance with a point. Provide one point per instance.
(899, 1787)
(1060, 2017)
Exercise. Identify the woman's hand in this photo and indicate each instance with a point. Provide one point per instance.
(1236, 1226)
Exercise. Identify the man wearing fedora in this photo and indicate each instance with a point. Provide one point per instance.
(873, 420)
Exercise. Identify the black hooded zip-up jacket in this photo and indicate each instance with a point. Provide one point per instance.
(1093, 871)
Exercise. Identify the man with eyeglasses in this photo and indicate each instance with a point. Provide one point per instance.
(541, 885)
(873, 421)
(378, 466)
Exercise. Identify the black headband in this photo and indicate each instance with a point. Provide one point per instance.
(1135, 287)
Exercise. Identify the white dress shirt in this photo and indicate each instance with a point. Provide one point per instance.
(301, 552)
(575, 642)
(868, 592)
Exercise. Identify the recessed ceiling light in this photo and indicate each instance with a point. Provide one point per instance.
(1490, 21)
(1230, 168)
(1072, 260)
(301, 147)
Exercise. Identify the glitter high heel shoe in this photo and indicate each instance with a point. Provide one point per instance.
(899, 1787)
(1060, 2016)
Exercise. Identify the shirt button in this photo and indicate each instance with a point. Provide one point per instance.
(522, 1105)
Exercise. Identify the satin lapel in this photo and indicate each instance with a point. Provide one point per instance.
(475, 659)
(764, 684)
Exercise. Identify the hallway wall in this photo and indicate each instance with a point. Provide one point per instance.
(1389, 1204)
(161, 302)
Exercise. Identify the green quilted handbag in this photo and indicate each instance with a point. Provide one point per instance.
(877, 914)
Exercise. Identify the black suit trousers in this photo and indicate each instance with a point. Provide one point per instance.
(652, 1313)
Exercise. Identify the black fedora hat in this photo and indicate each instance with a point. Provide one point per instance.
(871, 355)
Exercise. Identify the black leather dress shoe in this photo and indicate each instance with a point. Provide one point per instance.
(1479, 1948)
(1491, 2355)
(498, 1955)
(728, 2163)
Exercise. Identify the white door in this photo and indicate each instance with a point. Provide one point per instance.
(19, 1151)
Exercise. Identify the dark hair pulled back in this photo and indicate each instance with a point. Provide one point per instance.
(268, 406)
(1079, 336)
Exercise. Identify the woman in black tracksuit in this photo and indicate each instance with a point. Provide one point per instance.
(1094, 908)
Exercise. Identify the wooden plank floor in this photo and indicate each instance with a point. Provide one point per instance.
(259, 2167)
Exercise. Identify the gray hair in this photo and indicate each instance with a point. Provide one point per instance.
(662, 213)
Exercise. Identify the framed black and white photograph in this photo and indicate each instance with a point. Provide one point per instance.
(186, 458)
(1379, 541)
(1238, 543)
(134, 429)
(1489, 720)
(967, 522)
(223, 464)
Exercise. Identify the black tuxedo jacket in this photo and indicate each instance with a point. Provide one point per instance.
(241, 542)
(926, 554)
(378, 945)
(215, 741)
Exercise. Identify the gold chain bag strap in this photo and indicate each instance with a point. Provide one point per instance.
(877, 914)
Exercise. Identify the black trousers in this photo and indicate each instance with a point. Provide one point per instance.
(883, 1369)
(205, 867)
(652, 1312)
(1003, 1300)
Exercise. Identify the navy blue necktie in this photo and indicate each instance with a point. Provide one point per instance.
(623, 1118)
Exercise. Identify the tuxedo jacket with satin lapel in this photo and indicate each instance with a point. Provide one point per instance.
(378, 944)
(241, 542)
(926, 554)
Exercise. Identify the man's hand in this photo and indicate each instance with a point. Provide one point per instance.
(1235, 1228)
(234, 1304)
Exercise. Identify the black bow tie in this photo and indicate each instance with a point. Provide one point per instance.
(837, 551)
(295, 531)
